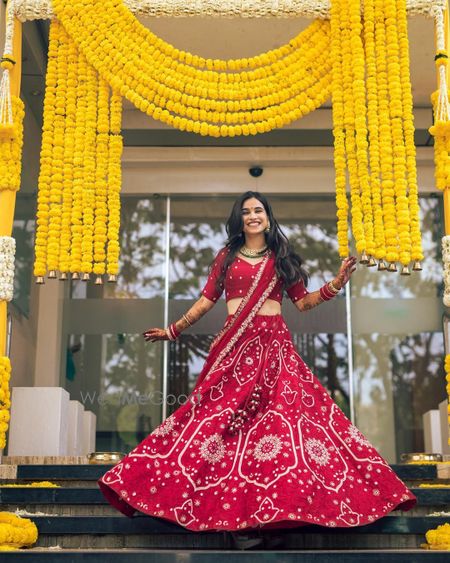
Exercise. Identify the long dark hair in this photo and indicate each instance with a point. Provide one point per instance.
(288, 263)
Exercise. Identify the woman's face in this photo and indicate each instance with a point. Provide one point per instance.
(254, 216)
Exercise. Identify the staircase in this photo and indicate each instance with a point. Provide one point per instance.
(75, 523)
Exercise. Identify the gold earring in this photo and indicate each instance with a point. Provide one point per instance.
(267, 229)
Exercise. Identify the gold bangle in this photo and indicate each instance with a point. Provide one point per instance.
(334, 289)
(187, 320)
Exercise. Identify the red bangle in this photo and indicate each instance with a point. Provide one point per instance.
(173, 331)
(325, 293)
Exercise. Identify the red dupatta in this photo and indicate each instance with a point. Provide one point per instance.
(262, 286)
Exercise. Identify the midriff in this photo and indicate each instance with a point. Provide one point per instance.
(269, 307)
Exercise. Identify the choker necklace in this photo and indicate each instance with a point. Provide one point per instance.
(251, 253)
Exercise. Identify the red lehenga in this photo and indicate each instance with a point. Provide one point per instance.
(296, 459)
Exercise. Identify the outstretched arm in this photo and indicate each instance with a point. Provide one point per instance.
(195, 313)
(315, 298)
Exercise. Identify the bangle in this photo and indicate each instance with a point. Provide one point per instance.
(333, 287)
(326, 293)
(187, 320)
(172, 332)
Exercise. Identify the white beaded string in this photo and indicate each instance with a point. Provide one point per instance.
(42, 9)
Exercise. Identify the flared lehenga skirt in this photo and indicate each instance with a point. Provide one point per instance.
(296, 460)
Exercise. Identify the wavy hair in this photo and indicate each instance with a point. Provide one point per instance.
(288, 264)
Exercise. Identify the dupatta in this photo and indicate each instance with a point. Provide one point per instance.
(262, 286)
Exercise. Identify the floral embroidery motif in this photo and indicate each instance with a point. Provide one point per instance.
(166, 427)
(317, 451)
(266, 511)
(288, 394)
(268, 447)
(357, 436)
(213, 449)
(184, 514)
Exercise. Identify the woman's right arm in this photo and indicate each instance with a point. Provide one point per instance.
(206, 302)
(194, 314)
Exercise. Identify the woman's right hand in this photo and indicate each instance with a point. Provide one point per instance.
(154, 334)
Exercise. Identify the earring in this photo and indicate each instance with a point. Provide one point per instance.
(267, 229)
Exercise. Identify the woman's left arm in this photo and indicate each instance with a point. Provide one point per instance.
(315, 298)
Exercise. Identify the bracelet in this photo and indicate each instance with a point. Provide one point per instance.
(172, 332)
(333, 287)
(326, 293)
(187, 320)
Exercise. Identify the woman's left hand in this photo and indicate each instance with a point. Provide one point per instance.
(347, 268)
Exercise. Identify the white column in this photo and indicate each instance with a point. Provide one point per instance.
(49, 348)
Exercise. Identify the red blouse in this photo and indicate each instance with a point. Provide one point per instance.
(238, 279)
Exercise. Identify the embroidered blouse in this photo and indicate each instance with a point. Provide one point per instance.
(238, 279)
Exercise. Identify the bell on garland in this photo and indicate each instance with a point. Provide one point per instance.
(364, 258)
(86, 277)
(381, 266)
(405, 271)
(52, 274)
(112, 278)
(417, 266)
(63, 276)
(40, 279)
(75, 276)
(372, 262)
(392, 267)
(98, 280)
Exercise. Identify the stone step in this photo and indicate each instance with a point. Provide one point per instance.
(71, 495)
(410, 472)
(38, 555)
(142, 524)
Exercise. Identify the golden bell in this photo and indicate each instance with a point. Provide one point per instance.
(98, 280)
(75, 276)
(40, 279)
(405, 271)
(392, 267)
(417, 267)
(52, 274)
(381, 266)
(86, 277)
(63, 276)
(372, 262)
(112, 278)
(364, 258)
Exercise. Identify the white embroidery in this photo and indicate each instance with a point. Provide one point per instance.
(317, 451)
(213, 448)
(267, 447)
(166, 427)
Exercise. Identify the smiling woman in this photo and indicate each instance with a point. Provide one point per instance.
(264, 423)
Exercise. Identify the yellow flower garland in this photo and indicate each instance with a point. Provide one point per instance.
(438, 538)
(16, 532)
(79, 206)
(34, 485)
(5, 398)
(80, 177)
(209, 97)
(384, 201)
(11, 149)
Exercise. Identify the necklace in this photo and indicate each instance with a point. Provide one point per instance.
(251, 253)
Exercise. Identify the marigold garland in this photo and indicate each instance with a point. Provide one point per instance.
(80, 179)
(11, 149)
(210, 97)
(118, 56)
(16, 532)
(376, 97)
(5, 398)
(34, 485)
(438, 538)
